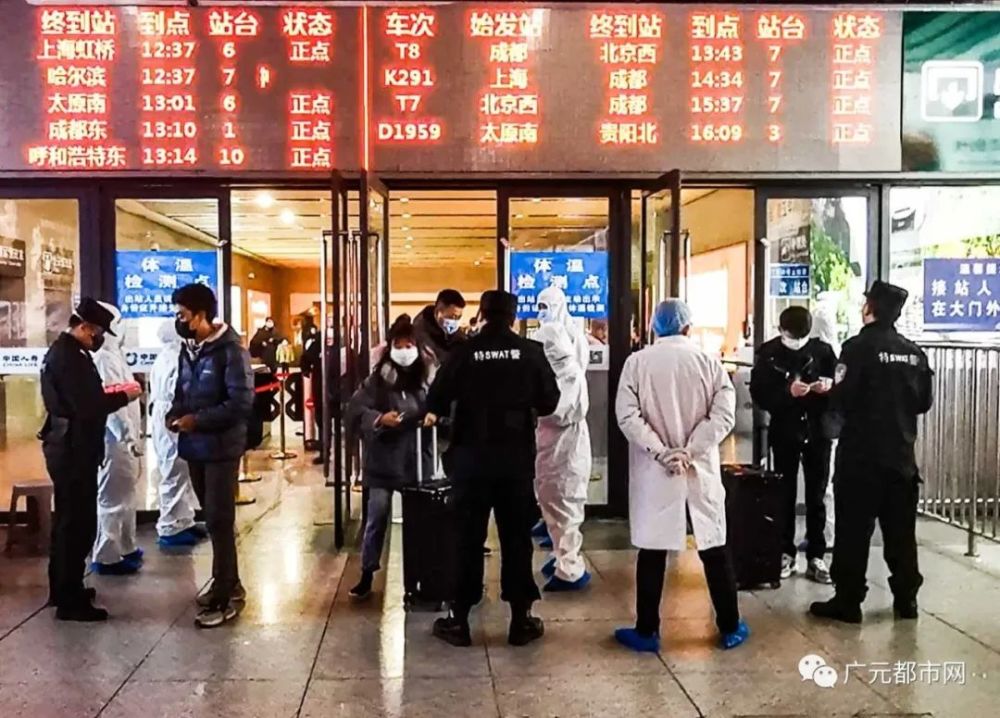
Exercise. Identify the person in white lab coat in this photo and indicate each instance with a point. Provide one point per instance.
(675, 404)
(115, 551)
(563, 462)
(176, 525)
(824, 327)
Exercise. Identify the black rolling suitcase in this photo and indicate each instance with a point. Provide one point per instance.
(430, 536)
(754, 524)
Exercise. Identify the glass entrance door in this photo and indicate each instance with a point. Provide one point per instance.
(563, 241)
(814, 249)
(661, 246)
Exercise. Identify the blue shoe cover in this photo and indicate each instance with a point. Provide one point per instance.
(549, 568)
(736, 638)
(199, 531)
(556, 584)
(121, 568)
(539, 530)
(632, 639)
(546, 543)
(134, 557)
(184, 538)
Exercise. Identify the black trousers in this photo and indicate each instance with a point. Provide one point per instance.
(74, 525)
(482, 486)
(814, 457)
(215, 485)
(863, 495)
(649, 574)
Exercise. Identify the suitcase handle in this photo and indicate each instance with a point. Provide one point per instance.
(438, 469)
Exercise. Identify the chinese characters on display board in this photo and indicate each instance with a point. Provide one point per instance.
(962, 295)
(583, 277)
(222, 89)
(454, 87)
(147, 279)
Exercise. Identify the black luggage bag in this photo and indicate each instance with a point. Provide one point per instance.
(754, 524)
(430, 536)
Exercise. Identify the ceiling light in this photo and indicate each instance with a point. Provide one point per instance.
(527, 244)
(536, 199)
(287, 216)
(409, 239)
(264, 200)
(407, 216)
(404, 229)
(518, 216)
(404, 200)
(477, 262)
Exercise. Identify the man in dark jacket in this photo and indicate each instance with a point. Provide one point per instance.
(211, 408)
(881, 385)
(791, 380)
(495, 386)
(264, 344)
(78, 406)
(438, 327)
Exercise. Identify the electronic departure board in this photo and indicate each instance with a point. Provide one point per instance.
(177, 89)
(450, 88)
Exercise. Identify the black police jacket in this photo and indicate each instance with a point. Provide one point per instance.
(495, 386)
(775, 368)
(76, 403)
(882, 384)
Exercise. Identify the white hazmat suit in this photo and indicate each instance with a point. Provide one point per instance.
(177, 497)
(825, 328)
(563, 459)
(119, 474)
(557, 312)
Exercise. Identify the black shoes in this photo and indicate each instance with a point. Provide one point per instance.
(454, 631)
(364, 587)
(524, 630)
(837, 610)
(83, 613)
(906, 610)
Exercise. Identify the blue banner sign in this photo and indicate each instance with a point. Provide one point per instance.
(583, 276)
(790, 281)
(147, 279)
(962, 295)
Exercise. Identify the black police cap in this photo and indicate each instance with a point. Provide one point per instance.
(887, 299)
(90, 310)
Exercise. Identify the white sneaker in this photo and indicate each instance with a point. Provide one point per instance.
(212, 617)
(818, 572)
(788, 567)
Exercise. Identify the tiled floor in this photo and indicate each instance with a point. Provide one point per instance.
(302, 649)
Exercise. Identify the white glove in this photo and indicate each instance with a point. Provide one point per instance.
(135, 449)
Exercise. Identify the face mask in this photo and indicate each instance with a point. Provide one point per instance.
(450, 326)
(97, 342)
(404, 357)
(184, 330)
(794, 344)
(544, 315)
(269, 326)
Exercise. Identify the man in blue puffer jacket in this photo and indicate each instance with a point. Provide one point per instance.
(210, 410)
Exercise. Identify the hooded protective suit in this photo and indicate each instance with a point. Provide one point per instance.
(563, 459)
(118, 475)
(825, 328)
(177, 497)
(558, 313)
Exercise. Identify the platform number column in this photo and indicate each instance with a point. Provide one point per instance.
(228, 28)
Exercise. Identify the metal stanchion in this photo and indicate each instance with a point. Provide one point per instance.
(246, 476)
(282, 454)
(241, 498)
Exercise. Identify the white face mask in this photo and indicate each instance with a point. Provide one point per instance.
(792, 343)
(450, 326)
(404, 357)
(544, 316)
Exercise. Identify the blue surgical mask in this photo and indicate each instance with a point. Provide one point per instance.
(544, 315)
(450, 326)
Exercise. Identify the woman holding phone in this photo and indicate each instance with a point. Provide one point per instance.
(387, 410)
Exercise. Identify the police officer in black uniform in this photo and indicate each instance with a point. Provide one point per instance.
(495, 386)
(882, 383)
(73, 445)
